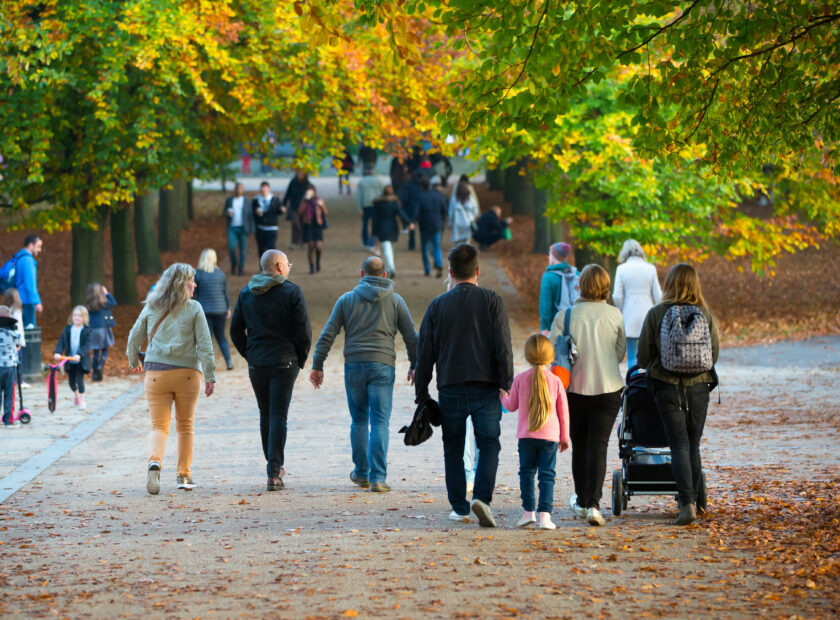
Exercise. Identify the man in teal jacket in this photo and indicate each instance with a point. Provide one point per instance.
(559, 288)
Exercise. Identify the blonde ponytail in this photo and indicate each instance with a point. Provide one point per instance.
(538, 353)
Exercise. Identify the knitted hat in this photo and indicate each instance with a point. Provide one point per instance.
(560, 251)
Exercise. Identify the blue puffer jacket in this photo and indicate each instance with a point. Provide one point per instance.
(26, 277)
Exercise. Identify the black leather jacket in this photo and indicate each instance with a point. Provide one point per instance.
(466, 335)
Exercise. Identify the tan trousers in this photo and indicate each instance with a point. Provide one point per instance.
(163, 387)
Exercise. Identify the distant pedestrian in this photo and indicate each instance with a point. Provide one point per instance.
(211, 291)
(346, 166)
(368, 156)
(543, 428)
(388, 219)
(291, 201)
(367, 190)
(463, 209)
(409, 195)
(74, 343)
(399, 174)
(682, 398)
(431, 219)
(371, 315)
(559, 287)
(240, 223)
(465, 179)
(267, 209)
(270, 329)
(465, 339)
(636, 291)
(9, 345)
(178, 343)
(491, 227)
(313, 219)
(102, 323)
(26, 279)
(595, 386)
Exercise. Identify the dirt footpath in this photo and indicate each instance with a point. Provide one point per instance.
(85, 539)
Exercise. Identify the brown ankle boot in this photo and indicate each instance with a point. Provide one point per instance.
(687, 516)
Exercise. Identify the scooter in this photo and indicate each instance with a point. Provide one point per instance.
(20, 413)
(52, 381)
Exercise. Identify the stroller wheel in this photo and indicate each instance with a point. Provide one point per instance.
(702, 495)
(25, 418)
(617, 493)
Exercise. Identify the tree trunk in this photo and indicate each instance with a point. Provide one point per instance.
(511, 181)
(88, 262)
(169, 221)
(148, 259)
(543, 233)
(190, 201)
(180, 186)
(495, 179)
(122, 251)
(522, 198)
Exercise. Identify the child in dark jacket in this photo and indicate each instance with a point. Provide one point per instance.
(74, 344)
(9, 340)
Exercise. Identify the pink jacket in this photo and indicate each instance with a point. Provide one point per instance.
(556, 427)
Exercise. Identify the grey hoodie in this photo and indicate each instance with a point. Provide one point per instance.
(371, 314)
(261, 283)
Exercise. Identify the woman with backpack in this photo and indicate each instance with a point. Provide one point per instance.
(678, 347)
(636, 291)
(594, 394)
(559, 288)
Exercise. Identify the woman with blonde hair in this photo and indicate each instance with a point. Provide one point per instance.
(595, 386)
(543, 426)
(636, 291)
(178, 344)
(211, 291)
(680, 391)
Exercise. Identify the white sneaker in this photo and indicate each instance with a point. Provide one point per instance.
(454, 516)
(470, 486)
(594, 517)
(579, 512)
(528, 517)
(153, 478)
(544, 522)
(484, 514)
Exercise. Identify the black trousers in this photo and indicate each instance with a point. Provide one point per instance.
(266, 240)
(75, 376)
(683, 413)
(216, 322)
(273, 388)
(591, 420)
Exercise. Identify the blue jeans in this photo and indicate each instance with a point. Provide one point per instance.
(370, 390)
(430, 244)
(632, 349)
(7, 391)
(28, 313)
(367, 223)
(237, 238)
(481, 403)
(537, 456)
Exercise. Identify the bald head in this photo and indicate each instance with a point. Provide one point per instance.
(274, 261)
(373, 266)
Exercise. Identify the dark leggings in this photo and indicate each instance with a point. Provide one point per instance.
(99, 358)
(216, 322)
(75, 376)
(591, 419)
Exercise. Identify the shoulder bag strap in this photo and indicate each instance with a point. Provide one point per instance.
(566, 321)
(155, 328)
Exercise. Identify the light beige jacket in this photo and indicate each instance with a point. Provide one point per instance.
(598, 331)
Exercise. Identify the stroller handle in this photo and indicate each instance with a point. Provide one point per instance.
(632, 370)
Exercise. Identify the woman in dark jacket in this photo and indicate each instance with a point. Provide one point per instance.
(681, 400)
(312, 215)
(291, 201)
(74, 344)
(387, 216)
(99, 303)
(211, 291)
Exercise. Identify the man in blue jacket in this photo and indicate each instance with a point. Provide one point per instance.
(371, 315)
(26, 278)
(432, 207)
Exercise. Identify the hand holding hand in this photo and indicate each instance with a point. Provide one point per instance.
(316, 378)
(209, 388)
(503, 393)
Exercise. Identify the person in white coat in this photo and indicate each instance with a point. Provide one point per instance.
(463, 210)
(636, 291)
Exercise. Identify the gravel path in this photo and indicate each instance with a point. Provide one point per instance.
(84, 539)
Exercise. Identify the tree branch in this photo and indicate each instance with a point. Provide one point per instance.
(659, 31)
(808, 120)
(528, 56)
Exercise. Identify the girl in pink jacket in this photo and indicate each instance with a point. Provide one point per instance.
(543, 425)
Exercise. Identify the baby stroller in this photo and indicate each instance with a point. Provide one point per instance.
(643, 448)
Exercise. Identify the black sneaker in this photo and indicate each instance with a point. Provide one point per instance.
(362, 482)
(153, 478)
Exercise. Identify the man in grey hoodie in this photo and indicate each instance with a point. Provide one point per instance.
(371, 314)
